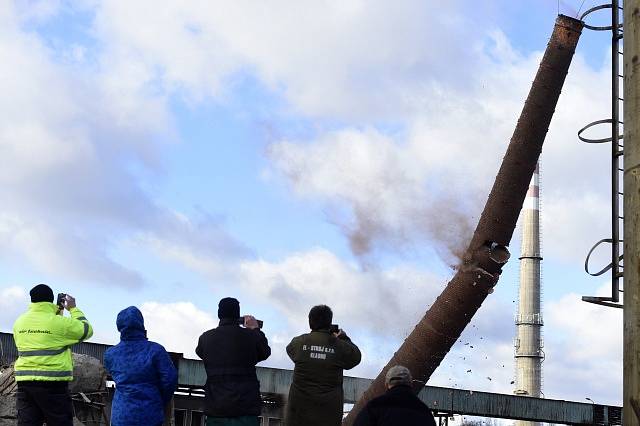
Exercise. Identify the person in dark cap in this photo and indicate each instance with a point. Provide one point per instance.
(44, 368)
(316, 397)
(398, 406)
(230, 353)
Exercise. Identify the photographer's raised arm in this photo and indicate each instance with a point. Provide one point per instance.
(348, 353)
(77, 328)
(262, 346)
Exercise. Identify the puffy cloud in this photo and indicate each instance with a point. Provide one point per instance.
(583, 347)
(584, 353)
(389, 201)
(176, 326)
(428, 184)
(79, 186)
(13, 299)
(78, 159)
(292, 286)
(305, 279)
(318, 55)
(201, 244)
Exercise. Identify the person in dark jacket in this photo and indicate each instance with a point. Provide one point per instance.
(316, 396)
(399, 406)
(230, 354)
(144, 374)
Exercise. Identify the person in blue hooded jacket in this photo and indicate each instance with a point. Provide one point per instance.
(144, 374)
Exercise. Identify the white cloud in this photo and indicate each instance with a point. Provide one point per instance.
(315, 277)
(79, 153)
(176, 326)
(199, 243)
(584, 353)
(387, 192)
(291, 287)
(435, 177)
(324, 57)
(80, 143)
(94, 123)
(37, 10)
(12, 302)
(583, 347)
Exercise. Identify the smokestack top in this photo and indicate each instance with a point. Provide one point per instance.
(569, 23)
(532, 201)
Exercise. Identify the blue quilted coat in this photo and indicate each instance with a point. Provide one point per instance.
(144, 374)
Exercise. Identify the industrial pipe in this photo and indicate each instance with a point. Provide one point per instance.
(425, 348)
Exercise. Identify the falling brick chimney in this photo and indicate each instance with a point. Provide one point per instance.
(426, 346)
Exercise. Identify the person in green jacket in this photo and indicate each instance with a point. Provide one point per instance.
(44, 368)
(316, 396)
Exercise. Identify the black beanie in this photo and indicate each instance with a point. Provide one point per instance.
(229, 308)
(41, 293)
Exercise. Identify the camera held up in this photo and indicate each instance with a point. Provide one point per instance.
(61, 300)
(241, 322)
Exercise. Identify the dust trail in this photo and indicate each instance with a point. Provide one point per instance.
(444, 222)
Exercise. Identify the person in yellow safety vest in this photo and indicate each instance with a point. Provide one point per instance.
(44, 367)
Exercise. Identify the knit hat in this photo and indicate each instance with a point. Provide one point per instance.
(398, 375)
(229, 308)
(41, 293)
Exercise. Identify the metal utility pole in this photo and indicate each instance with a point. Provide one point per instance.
(631, 369)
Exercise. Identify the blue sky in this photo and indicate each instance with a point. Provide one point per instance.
(167, 154)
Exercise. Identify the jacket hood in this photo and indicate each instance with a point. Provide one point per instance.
(131, 324)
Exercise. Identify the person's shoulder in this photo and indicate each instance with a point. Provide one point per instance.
(156, 346)
(20, 318)
(60, 323)
(113, 350)
(209, 333)
(414, 401)
(379, 401)
(399, 393)
(296, 341)
(300, 337)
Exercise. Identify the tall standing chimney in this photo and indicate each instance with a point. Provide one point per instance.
(528, 343)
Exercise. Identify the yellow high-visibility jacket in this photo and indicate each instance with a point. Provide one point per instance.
(44, 341)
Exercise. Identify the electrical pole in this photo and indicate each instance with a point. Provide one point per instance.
(631, 369)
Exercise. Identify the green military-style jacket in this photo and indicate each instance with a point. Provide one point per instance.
(44, 341)
(316, 396)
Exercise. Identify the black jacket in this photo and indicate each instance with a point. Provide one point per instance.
(399, 406)
(230, 354)
(315, 395)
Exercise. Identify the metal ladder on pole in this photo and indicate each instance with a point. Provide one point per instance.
(616, 266)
